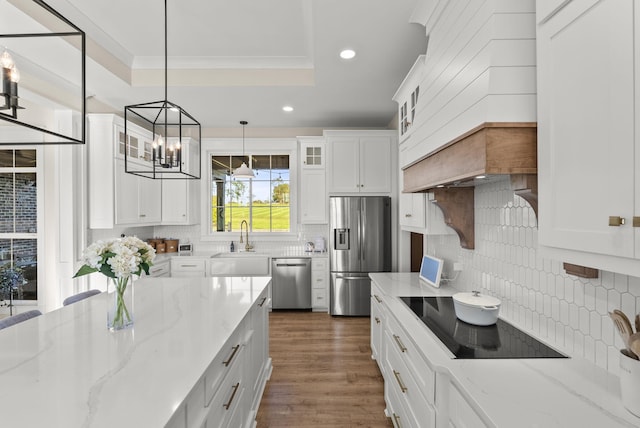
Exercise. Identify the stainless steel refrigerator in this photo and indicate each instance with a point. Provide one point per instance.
(360, 242)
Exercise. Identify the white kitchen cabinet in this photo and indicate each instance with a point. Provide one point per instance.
(407, 96)
(258, 364)
(116, 197)
(160, 269)
(137, 199)
(313, 177)
(312, 152)
(412, 211)
(186, 267)
(180, 202)
(360, 162)
(377, 326)
(588, 150)
(319, 283)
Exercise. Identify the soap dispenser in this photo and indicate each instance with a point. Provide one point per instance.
(232, 248)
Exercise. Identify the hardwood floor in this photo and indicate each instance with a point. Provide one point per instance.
(323, 374)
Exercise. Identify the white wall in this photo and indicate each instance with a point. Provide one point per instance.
(568, 312)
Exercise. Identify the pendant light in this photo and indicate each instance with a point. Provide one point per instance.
(45, 35)
(243, 171)
(174, 152)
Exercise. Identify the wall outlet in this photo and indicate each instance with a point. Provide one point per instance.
(457, 266)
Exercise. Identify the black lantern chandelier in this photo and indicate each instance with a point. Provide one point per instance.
(43, 29)
(10, 77)
(175, 151)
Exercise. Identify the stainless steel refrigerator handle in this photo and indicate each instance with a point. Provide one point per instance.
(363, 221)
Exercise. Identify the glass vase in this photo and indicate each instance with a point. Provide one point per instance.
(120, 301)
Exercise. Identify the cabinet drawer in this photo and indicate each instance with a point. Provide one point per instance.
(319, 263)
(461, 414)
(226, 399)
(225, 362)
(319, 298)
(421, 372)
(159, 270)
(188, 265)
(402, 380)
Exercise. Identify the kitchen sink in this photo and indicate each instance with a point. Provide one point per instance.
(244, 263)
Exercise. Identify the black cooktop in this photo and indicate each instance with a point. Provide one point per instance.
(467, 341)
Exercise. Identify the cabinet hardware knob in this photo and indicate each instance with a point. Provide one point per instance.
(377, 320)
(407, 215)
(636, 221)
(264, 299)
(399, 342)
(400, 383)
(616, 221)
(377, 298)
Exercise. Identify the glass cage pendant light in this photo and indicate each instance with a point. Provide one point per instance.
(243, 171)
(175, 150)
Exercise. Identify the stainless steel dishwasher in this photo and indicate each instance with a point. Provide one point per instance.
(291, 283)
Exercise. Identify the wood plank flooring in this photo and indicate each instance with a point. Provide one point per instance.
(323, 374)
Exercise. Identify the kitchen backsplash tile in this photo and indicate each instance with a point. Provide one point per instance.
(537, 295)
(293, 246)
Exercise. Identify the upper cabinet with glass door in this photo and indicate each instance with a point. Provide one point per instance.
(408, 97)
(312, 152)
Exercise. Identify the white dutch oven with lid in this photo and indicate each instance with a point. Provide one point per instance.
(475, 308)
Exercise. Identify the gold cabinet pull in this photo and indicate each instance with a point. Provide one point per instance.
(616, 221)
(399, 342)
(377, 298)
(377, 320)
(636, 221)
(233, 354)
(233, 394)
(396, 421)
(400, 383)
(264, 299)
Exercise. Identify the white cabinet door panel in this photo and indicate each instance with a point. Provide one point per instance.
(586, 128)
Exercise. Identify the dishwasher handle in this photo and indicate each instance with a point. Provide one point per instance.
(291, 264)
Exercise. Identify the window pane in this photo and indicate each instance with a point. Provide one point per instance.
(19, 257)
(26, 203)
(26, 158)
(280, 216)
(250, 199)
(6, 158)
(6, 203)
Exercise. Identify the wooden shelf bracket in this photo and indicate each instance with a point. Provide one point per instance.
(457, 204)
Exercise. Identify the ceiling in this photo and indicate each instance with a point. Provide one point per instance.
(246, 59)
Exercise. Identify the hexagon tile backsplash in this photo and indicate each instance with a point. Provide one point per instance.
(569, 313)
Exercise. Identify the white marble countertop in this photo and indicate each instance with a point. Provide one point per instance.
(535, 393)
(65, 369)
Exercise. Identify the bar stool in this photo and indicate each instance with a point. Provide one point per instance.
(18, 318)
(80, 296)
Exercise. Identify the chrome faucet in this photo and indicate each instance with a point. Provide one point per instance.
(247, 246)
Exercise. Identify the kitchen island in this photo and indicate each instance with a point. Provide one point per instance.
(423, 382)
(198, 351)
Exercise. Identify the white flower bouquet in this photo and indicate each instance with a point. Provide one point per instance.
(118, 259)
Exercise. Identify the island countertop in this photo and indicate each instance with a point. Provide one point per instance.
(66, 369)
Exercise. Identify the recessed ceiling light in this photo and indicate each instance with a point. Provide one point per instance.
(481, 176)
(347, 54)
(287, 109)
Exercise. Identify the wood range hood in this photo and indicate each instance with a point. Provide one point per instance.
(490, 150)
